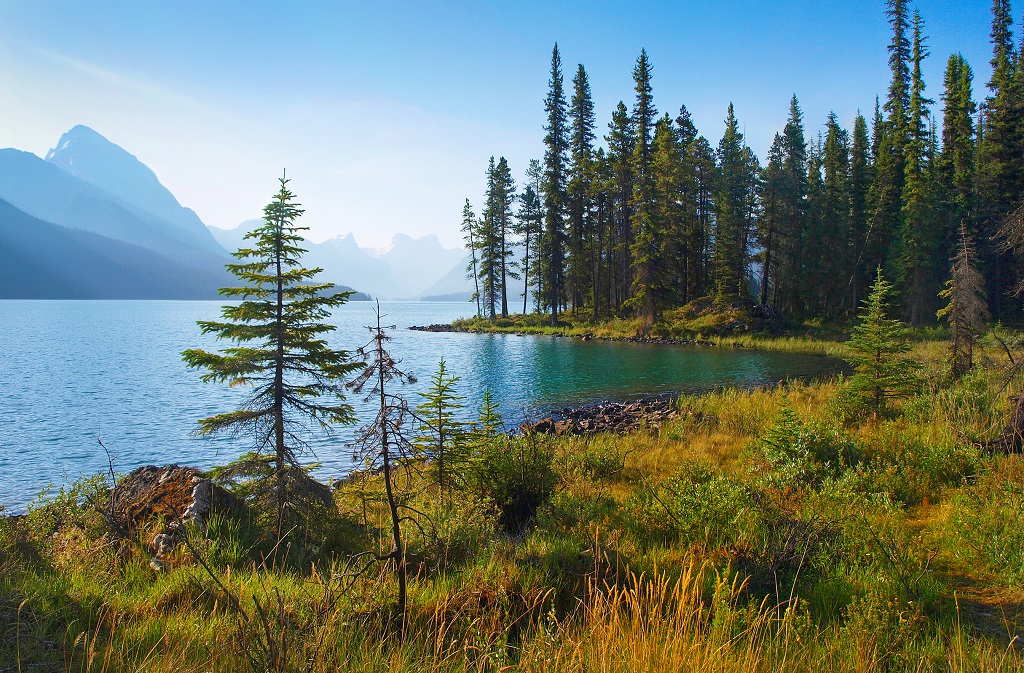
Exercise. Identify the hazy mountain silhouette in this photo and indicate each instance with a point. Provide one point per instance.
(45, 191)
(401, 270)
(41, 260)
(90, 157)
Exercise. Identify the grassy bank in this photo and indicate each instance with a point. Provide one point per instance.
(701, 322)
(760, 531)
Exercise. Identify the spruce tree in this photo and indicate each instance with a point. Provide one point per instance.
(556, 146)
(578, 190)
(657, 227)
(835, 261)
(488, 243)
(504, 197)
(279, 328)
(442, 435)
(917, 235)
(731, 201)
(860, 181)
(878, 349)
(792, 213)
(529, 226)
(470, 236)
(621, 141)
(772, 189)
(690, 246)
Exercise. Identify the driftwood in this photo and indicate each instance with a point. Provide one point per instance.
(1011, 439)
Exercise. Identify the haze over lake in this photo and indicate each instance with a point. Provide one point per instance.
(76, 371)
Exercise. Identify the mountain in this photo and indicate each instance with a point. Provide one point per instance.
(41, 260)
(417, 263)
(48, 193)
(344, 263)
(456, 286)
(453, 286)
(93, 159)
(401, 270)
(232, 239)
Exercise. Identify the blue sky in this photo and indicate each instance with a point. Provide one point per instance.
(385, 113)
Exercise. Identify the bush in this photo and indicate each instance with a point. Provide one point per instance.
(450, 531)
(987, 522)
(517, 475)
(699, 504)
(791, 454)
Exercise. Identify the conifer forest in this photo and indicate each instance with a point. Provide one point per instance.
(659, 214)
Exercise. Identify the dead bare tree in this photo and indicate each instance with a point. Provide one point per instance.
(383, 444)
(966, 311)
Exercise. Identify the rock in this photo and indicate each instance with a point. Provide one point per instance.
(177, 495)
(606, 417)
(158, 492)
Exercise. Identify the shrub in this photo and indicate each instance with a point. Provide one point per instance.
(517, 475)
(700, 504)
(987, 522)
(791, 454)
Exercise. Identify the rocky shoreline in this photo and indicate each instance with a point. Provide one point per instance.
(619, 417)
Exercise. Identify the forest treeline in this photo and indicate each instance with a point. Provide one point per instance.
(657, 216)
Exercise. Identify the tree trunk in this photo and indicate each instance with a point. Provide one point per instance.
(397, 552)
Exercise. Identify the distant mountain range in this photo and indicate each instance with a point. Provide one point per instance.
(92, 221)
(405, 269)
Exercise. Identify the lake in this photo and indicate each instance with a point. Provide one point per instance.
(76, 372)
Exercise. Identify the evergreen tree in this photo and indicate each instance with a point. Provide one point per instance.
(835, 261)
(956, 163)
(691, 239)
(529, 226)
(581, 169)
(278, 327)
(556, 146)
(621, 141)
(860, 181)
(504, 197)
(792, 214)
(892, 134)
(601, 192)
(706, 171)
(442, 434)
(731, 202)
(771, 194)
(658, 227)
(811, 298)
(488, 244)
(917, 235)
(470, 235)
(1001, 157)
(383, 444)
(878, 351)
(649, 273)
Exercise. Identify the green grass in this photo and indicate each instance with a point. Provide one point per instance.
(759, 531)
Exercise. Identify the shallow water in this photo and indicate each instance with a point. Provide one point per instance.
(73, 372)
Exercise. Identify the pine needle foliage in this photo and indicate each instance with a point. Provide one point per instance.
(442, 435)
(279, 328)
(966, 311)
(877, 349)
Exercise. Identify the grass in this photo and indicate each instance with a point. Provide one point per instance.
(756, 532)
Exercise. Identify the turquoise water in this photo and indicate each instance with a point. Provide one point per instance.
(75, 372)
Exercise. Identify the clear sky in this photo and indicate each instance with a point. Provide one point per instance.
(385, 113)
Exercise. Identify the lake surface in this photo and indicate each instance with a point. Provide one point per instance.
(73, 372)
